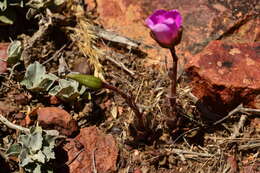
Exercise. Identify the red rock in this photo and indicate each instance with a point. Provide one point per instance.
(3, 57)
(224, 75)
(56, 118)
(203, 21)
(92, 142)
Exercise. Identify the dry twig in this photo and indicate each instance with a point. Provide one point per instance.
(113, 37)
(238, 127)
(94, 161)
(179, 151)
(1, 59)
(55, 55)
(75, 157)
(234, 111)
(117, 63)
(249, 146)
(238, 109)
(13, 126)
(23, 129)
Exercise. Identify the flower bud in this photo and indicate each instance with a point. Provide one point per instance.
(89, 81)
(166, 27)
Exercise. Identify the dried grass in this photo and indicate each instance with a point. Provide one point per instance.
(85, 38)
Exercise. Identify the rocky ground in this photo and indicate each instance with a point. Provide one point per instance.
(218, 89)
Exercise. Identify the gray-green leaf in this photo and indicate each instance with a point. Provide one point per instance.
(14, 52)
(24, 140)
(48, 152)
(37, 169)
(67, 90)
(24, 158)
(36, 78)
(40, 157)
(36, 139)
(14, 150)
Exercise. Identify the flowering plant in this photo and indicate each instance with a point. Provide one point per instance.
(166, 29)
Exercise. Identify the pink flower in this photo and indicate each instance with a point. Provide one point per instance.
(165, 27)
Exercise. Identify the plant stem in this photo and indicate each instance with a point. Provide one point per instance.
(173, 77)
(131, 103)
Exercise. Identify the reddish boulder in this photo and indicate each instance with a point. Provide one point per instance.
(3, 57)
(91, 150)
(56, 118)
(224, 75)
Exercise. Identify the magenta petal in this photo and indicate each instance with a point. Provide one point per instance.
(175, 14)
(157, 16)
(164, 33)
(149, 23)
(161, 28)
